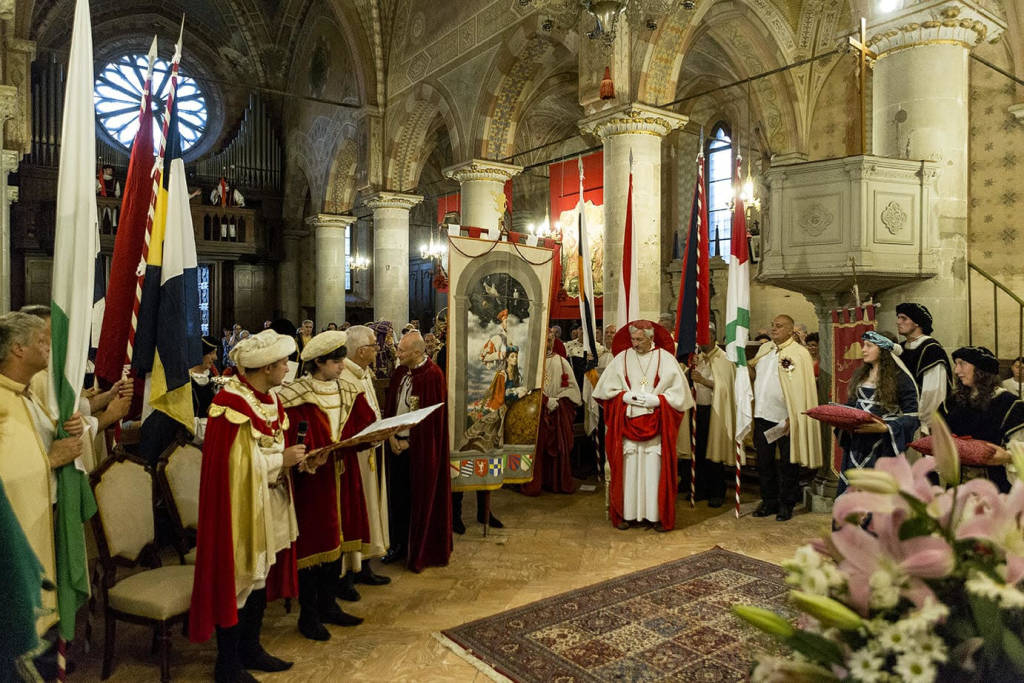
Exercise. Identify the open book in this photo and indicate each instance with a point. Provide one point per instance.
(380, 430)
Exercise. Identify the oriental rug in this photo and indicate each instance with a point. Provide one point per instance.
(667, 623)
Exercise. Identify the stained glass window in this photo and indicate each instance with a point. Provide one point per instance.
(203, 275)
(118, 92)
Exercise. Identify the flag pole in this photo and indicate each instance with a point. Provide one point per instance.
(157, 175)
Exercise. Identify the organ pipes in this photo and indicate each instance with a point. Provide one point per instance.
(253, 158)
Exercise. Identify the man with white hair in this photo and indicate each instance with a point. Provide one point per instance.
(644, 395)
(358, 375)
(247, 524)
(420, 488)
(29, 453)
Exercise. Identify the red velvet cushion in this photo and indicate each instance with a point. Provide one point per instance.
(843, 417)
(971, 451)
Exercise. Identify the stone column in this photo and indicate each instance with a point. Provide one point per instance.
(329, 232)
(822, 491)
(391, 255)
(482, 186)
(288, 293)
(637, 129)
(920, 111)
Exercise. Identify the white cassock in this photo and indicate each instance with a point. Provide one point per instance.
(655, 373)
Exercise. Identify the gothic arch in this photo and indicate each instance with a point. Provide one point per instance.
(523, 62)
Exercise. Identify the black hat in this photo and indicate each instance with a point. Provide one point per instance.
(978, 356)
(283, 326)
(918, 313)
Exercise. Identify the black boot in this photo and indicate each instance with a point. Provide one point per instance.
(228, 668)
(250, 651)
(457, 525)
(367, 576)
(309, 614)
(327, 608)
(346, 587)
(481, 503)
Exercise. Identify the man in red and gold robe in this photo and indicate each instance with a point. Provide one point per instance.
(419, 485)
(329, 501)
(245, 552)
(644, 395)
(552, 469)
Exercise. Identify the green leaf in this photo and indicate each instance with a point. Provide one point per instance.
(815, 647)
(1014, 649)
(916, 526)
(990, 626)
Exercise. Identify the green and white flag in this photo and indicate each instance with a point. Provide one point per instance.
(737, 321)
(76, 244)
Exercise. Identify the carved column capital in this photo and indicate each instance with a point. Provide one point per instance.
(393, 200)
(482, 169)
(8, 102)
(632, 119)
(933, 22)
(326, 221)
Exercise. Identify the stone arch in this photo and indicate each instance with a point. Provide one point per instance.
(414, 118)
(523, 62)
(341, 183)
(750, 48)
(313, 152)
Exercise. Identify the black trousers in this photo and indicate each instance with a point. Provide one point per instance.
(399, 498)
(710, 475)
(780, 478)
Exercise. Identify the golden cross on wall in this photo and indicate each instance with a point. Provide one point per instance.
(864, 55)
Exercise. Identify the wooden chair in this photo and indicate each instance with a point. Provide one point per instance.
(124, 528)
(177, 476)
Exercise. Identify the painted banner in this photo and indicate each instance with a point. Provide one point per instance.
(848, 326)
(498, 310)
(564, 183)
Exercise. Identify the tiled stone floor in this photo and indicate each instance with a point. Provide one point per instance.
(549, 545)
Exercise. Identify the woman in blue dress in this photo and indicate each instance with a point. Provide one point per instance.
(883, 387)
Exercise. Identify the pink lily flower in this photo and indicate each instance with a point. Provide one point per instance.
(913, 479)
(997, 519)
(908, 562)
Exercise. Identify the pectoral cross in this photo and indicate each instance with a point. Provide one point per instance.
(864, 54)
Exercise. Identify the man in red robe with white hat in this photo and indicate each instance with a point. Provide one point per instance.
(644, 395)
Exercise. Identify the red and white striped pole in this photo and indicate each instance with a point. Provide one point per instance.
(739, 455)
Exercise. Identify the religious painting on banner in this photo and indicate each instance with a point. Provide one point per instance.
(848, 326)
(498, 308)
(564, 187)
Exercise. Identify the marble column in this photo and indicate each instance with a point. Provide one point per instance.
(288, 292)
(391, 255)
(482, 189)
(920, 111)
(635, 129)
(329, 232)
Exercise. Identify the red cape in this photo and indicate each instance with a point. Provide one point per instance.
(552, 469)
(320, 497)
(559, 348)
(664, 421)
(430, 519)
(213, 588)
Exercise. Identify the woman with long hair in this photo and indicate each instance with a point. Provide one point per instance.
(981, 409)
(883, 387)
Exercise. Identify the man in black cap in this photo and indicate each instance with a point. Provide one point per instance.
(924, 357)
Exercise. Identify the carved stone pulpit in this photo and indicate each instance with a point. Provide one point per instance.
(824, 216)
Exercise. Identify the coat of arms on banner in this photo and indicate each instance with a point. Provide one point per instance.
(497, 321)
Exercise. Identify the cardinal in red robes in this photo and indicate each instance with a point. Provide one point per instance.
(552, 469)
(247, 525)
(644, 394)
(329, 502)
(419, 486)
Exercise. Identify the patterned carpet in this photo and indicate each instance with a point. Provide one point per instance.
(670, 622)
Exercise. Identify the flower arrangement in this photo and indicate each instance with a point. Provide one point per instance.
(916, 582)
